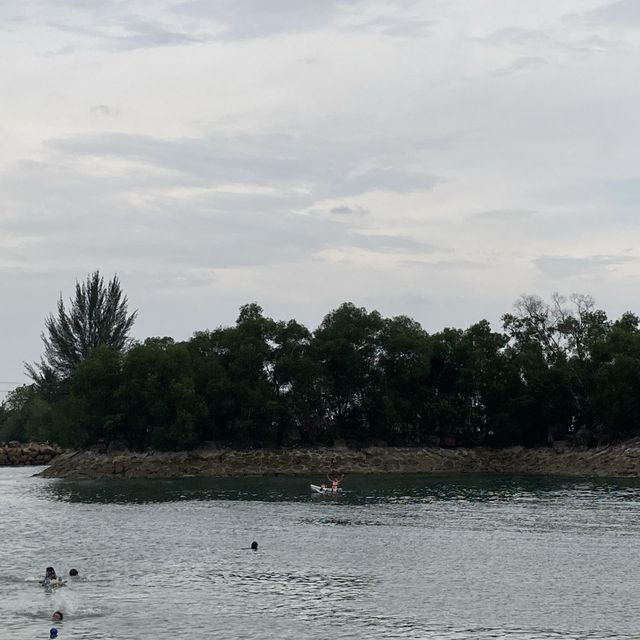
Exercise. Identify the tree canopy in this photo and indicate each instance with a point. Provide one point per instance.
(97, 316)
(557, 370)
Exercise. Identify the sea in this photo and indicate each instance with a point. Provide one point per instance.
(450, 557)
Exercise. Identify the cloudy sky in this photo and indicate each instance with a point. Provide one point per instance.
(436, 158)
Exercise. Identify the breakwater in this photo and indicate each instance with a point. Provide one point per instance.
(32, 453)
(619, 460)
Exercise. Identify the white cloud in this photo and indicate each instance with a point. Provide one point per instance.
(424, 157)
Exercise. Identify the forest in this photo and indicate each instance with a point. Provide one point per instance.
(557, 370)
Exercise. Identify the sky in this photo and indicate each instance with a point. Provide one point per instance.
(432, 158)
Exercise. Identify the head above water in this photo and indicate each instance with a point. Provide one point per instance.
(254, 545)
(50, 573)
(73, 573)
(57, 616)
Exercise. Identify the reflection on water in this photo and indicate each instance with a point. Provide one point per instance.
(359, 489)
(420, 556)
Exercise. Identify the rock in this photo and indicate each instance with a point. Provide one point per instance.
(116, 446)
(619, 460)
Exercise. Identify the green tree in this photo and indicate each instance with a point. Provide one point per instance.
(294, 374)
(97, 315)
(158, 400)
(398, 409)
(617, 389)
(96, 384)
(346, 348)
(23, 415)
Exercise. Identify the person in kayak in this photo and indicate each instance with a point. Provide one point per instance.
(335, 482)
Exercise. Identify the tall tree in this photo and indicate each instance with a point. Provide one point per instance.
(97, 316)
(346, 349)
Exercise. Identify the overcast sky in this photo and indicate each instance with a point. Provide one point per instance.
(435, 158)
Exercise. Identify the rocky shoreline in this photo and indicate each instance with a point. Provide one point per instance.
(32, 453)
(617, 460)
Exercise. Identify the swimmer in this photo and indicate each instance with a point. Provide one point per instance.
(254, 545)
(73, 573)
(57, 616)
(49, 574)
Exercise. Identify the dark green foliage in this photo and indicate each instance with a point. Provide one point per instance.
(346, 348)
(560, 370)
(23, 415)
(97, 316)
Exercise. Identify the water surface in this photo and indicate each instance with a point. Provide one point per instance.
(415, 556)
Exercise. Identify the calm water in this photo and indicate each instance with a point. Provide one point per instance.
(449, 557)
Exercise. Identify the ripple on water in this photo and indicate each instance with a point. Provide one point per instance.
(427, 557)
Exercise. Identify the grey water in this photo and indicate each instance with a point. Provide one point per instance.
(452, 557)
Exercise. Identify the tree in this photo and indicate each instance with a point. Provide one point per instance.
(346, 348)
(97, 316)
(157, 398)
(23, 415)
(568, 338)
(398, 403)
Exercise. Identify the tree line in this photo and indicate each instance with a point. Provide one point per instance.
(557, 370)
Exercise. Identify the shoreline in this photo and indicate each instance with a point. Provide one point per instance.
(621, 460)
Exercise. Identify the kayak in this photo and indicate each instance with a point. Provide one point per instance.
(318, 489)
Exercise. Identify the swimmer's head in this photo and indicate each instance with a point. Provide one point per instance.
(50, 573)
(57, 616)
(53, 632)
(73, 573)
(254, 545)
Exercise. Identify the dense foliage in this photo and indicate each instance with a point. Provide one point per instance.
(558, 370)
(97, 316)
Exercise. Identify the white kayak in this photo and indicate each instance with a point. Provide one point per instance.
(318, 489)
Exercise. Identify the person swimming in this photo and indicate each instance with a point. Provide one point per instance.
(57, 616)
(73, 573)
(254, 545)
(50, 577)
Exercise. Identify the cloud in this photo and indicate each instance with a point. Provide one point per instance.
(128, 33)
(104, 110)
(108, 24)
(257, 19)
(343, 210)
(523, 63)
(416, 300)
(276, 158)
(453, 264)
(539, 46)
(620, 13)
(304, 153)
(195, 203)
(503, 215)
(385, 243)
(397, 26)
(114, 25)
(569, 266)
